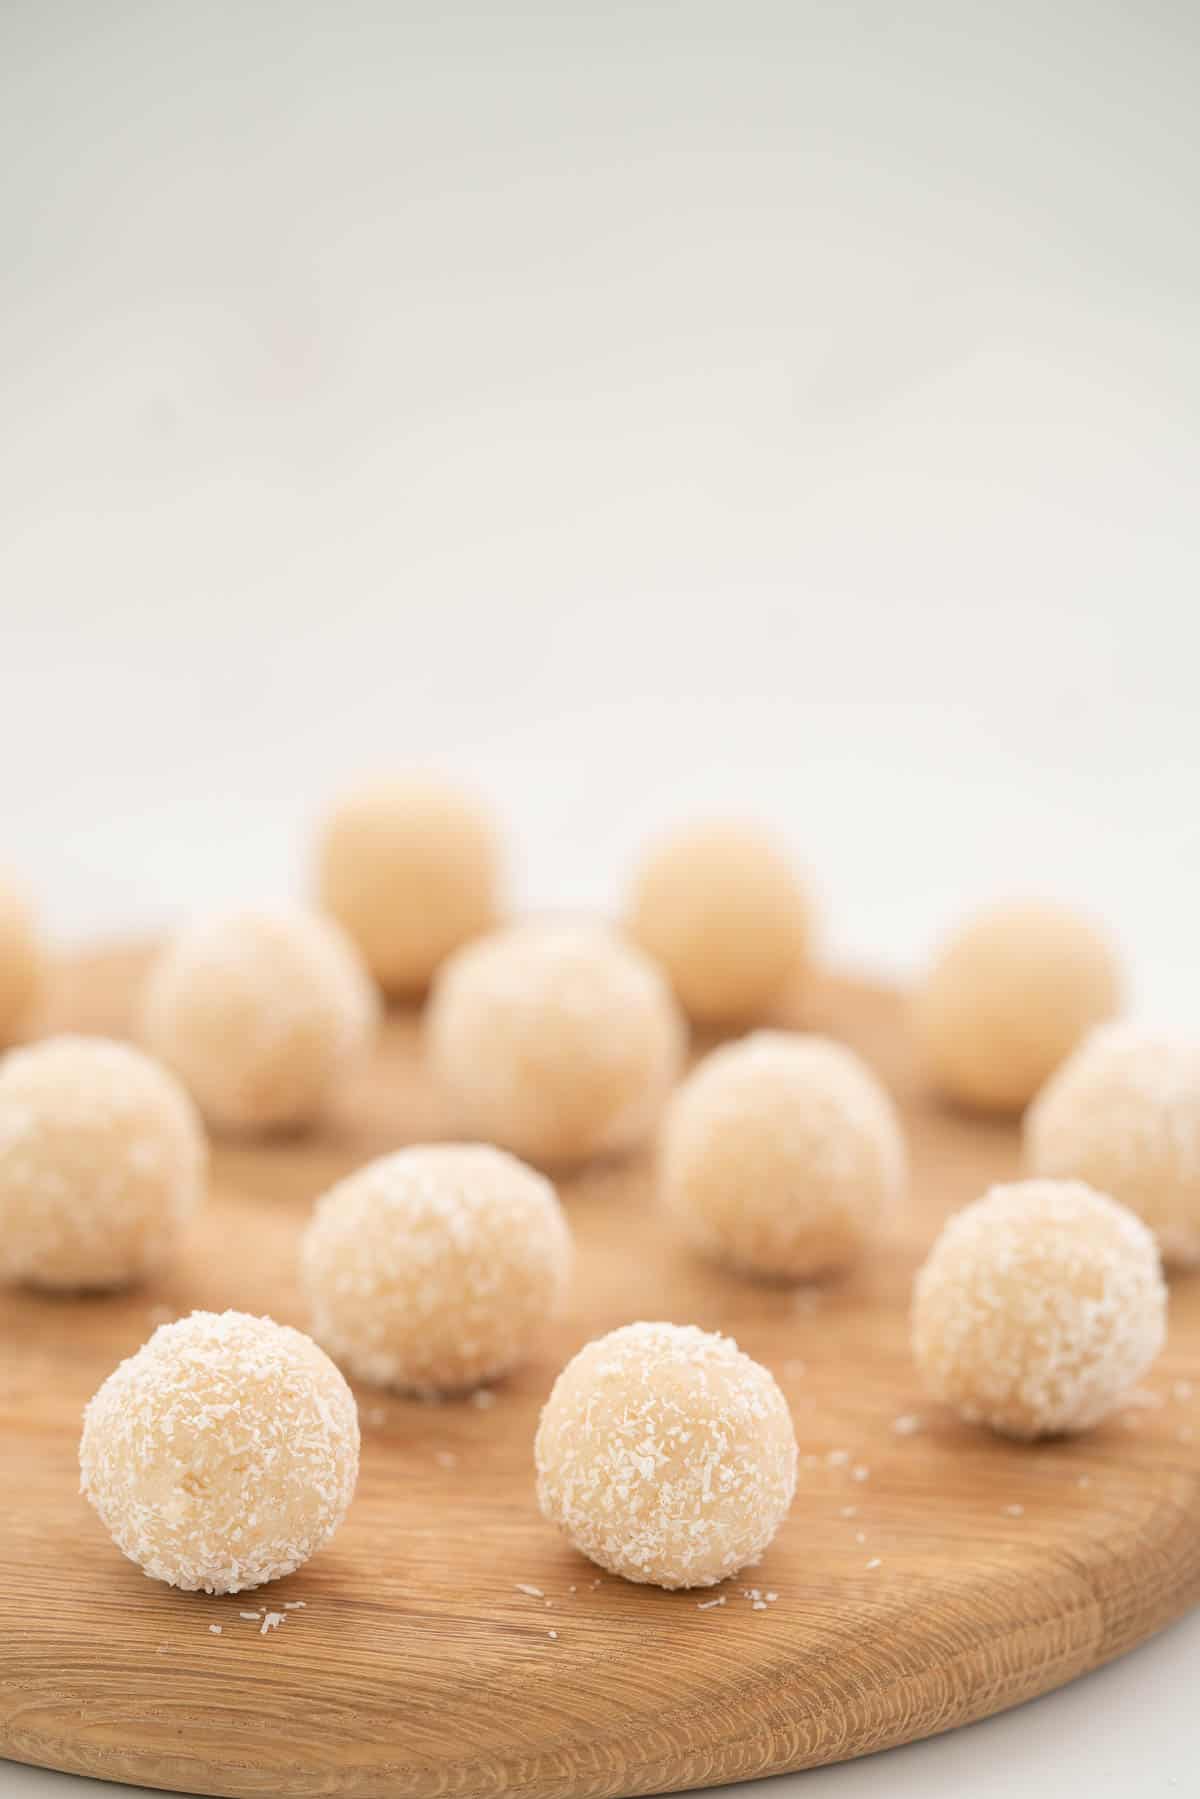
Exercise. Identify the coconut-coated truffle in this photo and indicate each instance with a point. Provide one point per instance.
(20, 962)
(723, 911)
(260, 1014)
(436, 1268)
(780, 1155)
(1123, 1114)
(102, 1161)
(411, 869)
(666, 1455)
(557, 1040)
(1008, 997)
(1039, 1306)
(223, 1454)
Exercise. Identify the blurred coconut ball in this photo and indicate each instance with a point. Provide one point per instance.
(666, 1455)
(1038, 1308)
(102, 1162)
(223, 1454)
(558, 1041)
(1008, 997)
(720, 907)
(260, 1014)
(436, 1268)
(781, 1154)
(21, 962)
(411, 869)
(1123, 1114)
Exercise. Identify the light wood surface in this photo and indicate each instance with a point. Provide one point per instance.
(417, 1666)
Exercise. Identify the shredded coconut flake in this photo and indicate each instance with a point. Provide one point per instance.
(533, 1592)
(215, 1629)
(875, 1562)
(272, 1621)
(907, 1425)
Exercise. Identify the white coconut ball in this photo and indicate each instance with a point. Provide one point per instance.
(666, 1455)
(261, 1014)
(1006, 999)
(1038, 1308)
(102, 1161)
(781, 1154)
(223, 1454)
(1123, 1113)
(411, 868)
(436, 1268)
(21, 963)
(558, 1041)
(721, 908)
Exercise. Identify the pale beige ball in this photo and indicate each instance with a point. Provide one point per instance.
(223, 1454)
(261, 1014)
(21, 963)
(1008, 997)
(558, 1041)
(436, 1268)
(102, 1162)
(723, 911)
(666, 1455)
(411, 868)
(1038, 1308)
(781, 1155)
(1123, 1113)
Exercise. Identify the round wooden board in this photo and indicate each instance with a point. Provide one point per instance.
(418, 1665)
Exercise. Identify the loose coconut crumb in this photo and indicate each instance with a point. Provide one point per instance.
(849, 1511)
(875, 1562)
(215, 1629)
(862, 1472)
(553, 1635)
(860, 1536)
(838, 1458)
(907, 1425)
(1015, 1511)
(272, 1621)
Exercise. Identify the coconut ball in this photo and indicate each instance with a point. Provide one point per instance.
(780, 1154)
(260, 1014)
(102, 1161)
(1007, 999)
(559, 1041)
(1039, 1306)
(223, 1454)
(666, 1455)
(20, 963)
(726, 916)
(1123, 1113)
(436, 1268)
(410, 868)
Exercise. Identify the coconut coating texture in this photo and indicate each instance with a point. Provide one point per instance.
(1039, 1306)
(260, 1014)
(102, 1161)
(20, 963)
(411, 868)
(1123, 1113)
(223, 1454)
(558, 1041)
(436, 1268)
(1008, 997)
(666, 1455)
(723, 911)
(780, 1155)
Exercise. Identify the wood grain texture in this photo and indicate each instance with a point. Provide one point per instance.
(417, 1667)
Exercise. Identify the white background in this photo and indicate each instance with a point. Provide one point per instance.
(640, 410)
